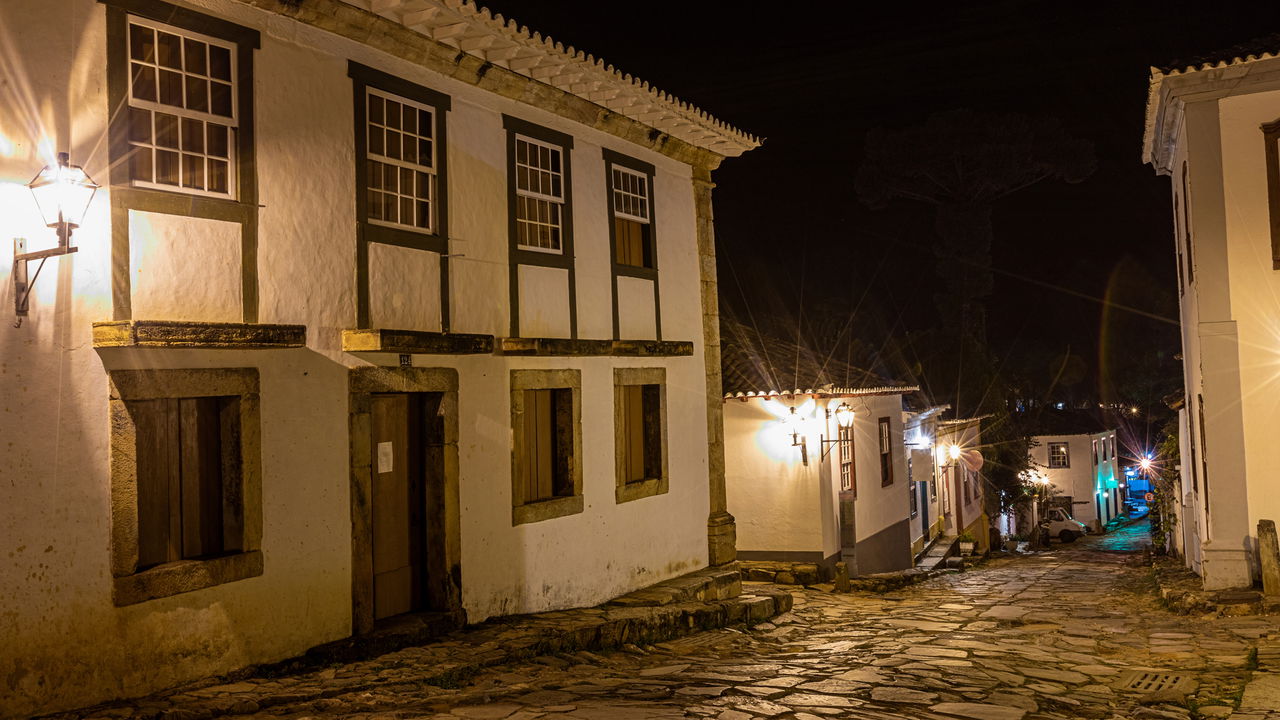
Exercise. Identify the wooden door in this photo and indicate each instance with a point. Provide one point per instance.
(398, 500)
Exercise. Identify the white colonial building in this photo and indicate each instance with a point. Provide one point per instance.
(1082, 472)
(820, 476)
(1213, 127)
(382, 307)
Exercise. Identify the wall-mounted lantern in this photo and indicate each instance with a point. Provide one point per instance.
(62, 193)
(844, 418)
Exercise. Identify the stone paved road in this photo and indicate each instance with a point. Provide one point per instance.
(1052, 635)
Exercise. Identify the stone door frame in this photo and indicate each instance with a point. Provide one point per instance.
(363, 383)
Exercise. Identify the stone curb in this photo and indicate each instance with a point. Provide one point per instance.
(496, 642)
(1179, 588)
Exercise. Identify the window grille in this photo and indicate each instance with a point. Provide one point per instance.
(401, 157)
(182, 110)
(539, 195)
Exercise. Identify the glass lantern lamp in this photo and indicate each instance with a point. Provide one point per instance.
(62, 193)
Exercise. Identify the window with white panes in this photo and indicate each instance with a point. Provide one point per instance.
(1059, 456)
(631, 218)
(401, 162)
(539, 195)
(182, 110)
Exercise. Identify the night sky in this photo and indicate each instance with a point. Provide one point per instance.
(813, 78)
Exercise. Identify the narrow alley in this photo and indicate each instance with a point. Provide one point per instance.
(1074, 632)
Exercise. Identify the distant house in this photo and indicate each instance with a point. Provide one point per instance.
(1083, 471)
(958, 449)
(924, 500)
(804, 488)
(1213, 126)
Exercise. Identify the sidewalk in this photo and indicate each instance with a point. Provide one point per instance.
(703, 600)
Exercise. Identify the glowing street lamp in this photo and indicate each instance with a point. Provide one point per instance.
(844, 419)
(1145, 464)
(62, 193)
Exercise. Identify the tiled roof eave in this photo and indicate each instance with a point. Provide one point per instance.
(474, 30)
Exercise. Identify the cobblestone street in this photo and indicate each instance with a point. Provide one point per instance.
(1058, 634)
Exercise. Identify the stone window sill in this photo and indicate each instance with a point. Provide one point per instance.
(200, 335)
(411, 342)
(639, 489)
(184, 576)
(544, 347)
(546, 510)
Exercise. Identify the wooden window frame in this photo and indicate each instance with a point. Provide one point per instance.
(1271, 136)
(844, 436)
(363, 80)
(627, 490)
(130, 585)
(239, 206)
(519, 255)
(620, 270)
(1066, 455)
(884, 439)
(522, 511)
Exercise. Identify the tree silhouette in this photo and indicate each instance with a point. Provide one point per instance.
(961, 163)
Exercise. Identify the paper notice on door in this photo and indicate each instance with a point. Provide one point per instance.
(385, 457)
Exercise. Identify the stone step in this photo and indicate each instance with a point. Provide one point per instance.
(710, 584)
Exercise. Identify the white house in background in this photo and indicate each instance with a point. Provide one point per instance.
(1084, 473)
(924, 501)
(1214, 128)
(958, 452)
(382, 307)
(804, 489)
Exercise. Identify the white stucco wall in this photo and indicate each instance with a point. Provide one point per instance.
(1255, 294)
(879, 507)
(775, 498)
(55, 520)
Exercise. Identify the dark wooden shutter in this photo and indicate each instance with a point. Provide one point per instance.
(159, 480)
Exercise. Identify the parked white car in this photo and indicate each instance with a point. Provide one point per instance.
(1061, 525)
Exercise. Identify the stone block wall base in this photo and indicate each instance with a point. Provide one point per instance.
(783, 573)
(722, 539)
(1225, 568)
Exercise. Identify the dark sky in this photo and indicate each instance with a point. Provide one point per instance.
(813, 78)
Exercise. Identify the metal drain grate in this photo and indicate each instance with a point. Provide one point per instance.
(1149, 681)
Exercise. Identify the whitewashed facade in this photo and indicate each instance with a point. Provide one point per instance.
(338, 257)
(1083, 470)
(959, 456)
(803, 490)
(1212, 128)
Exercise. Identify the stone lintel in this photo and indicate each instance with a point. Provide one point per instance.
(416, 342)
(583, 348)
(207, 335)
(653, 348)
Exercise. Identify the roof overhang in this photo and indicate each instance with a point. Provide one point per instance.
(1169, 92)
(826, 391)
(465, 28)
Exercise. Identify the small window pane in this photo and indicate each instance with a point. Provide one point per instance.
(144, 82)
(140, 164)
(217, 136)
(375, 175)
(410, 120)
(142, 43)
(424, 214)
(393, 145)
(424, 153)
(166, 167)
(376, 144)
(193, 171)
(169, 51)
(220, 63)
(375, 109)
(171, 88)
(139, 125)
(192, 135)
(197, 94)
(393, 115)
(217, 175)
(167, 130)
(220, 99)
(194, 56)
